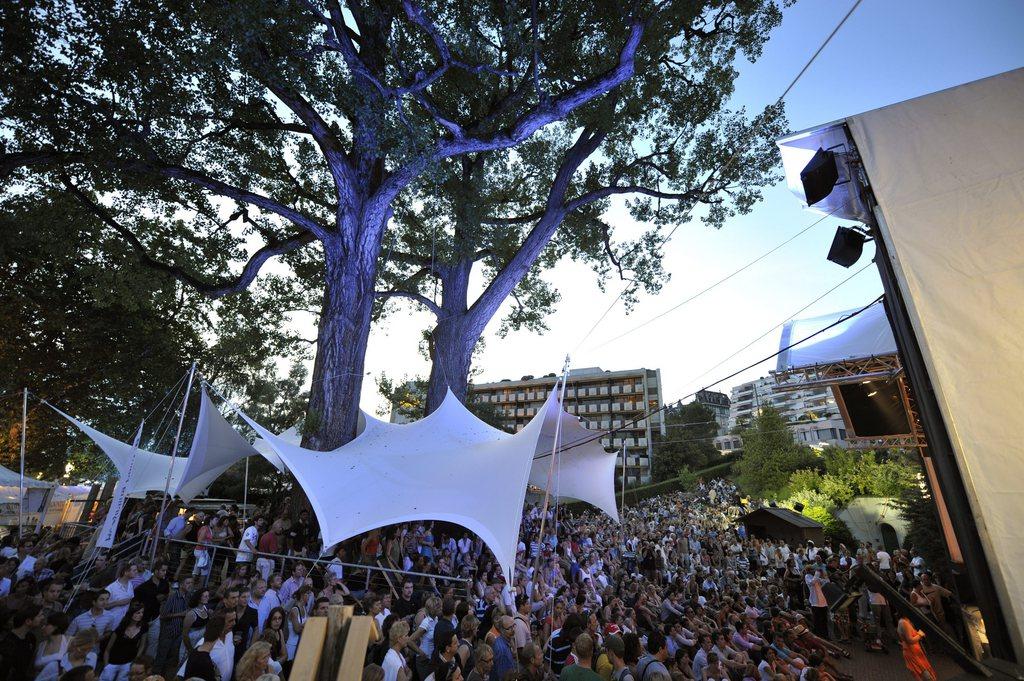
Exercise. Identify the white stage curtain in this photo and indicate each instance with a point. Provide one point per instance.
(948, 172)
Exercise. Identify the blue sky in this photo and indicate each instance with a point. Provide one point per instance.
(887, 52)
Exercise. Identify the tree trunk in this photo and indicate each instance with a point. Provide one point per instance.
(345, 319)
(453, 339)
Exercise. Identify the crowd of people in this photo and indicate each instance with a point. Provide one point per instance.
(675, 591)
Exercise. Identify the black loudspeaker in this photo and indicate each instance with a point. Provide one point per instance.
(798, 507)
(846, 247)
(819, 177)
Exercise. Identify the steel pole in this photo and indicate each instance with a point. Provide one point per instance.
(174, 454)
(21, 498)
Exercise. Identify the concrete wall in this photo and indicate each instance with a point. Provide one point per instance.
(865, 516)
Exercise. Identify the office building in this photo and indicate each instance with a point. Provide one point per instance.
(604, 400)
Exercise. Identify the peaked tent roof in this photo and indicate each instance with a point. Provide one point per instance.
(866, 335)
(216, 446)
(449, 466)
(149, 470)
(583, 469)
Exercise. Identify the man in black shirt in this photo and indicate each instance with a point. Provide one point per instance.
(152, 593)
(18, 646)
(199, 664)
(302, 535)
(408, 602)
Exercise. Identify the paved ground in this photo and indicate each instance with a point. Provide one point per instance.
(864, 666)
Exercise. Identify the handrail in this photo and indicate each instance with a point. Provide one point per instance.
(315, 561)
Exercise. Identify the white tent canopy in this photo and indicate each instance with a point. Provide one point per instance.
(866, 335)
(583, 469)
(9, 478)
(449, 466)
(148, 472)
(215, 447)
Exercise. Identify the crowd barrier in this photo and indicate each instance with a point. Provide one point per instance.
(364, 576)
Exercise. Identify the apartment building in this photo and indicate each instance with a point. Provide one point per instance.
(602, 399)
(718, 403)
(812, 413)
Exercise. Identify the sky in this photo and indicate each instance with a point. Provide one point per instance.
(886, 52)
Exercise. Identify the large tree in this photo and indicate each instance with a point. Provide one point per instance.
(689, 442)
(98, 336)
(203, 133)
(664, 142)
(770, 455)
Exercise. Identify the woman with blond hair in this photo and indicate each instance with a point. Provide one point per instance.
(254, 663)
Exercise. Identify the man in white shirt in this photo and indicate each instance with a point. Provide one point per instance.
(121, 593)
(816, 598)
(465, 546)
(884, 560)
(250, 539)
(385, 610)
(271, 599)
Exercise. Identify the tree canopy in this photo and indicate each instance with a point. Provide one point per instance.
(210, 138)
(770, 455)
(689, 443)
(97, 335)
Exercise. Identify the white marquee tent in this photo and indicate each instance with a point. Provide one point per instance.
(449, 466)
(215, 447)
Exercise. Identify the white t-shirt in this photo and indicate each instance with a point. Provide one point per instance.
(427, 642)
(393, 662)
(766, 671)
(119, 593)
(817, 596)
(884, 560)
(381, 616)
(251, 535)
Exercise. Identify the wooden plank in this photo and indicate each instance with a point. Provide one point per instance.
(338, 617)
(354, 653)
(311, 649)
(394, 592)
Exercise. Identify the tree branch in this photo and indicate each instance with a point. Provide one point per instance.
(212, 290)
(509, 276)
(411, 295)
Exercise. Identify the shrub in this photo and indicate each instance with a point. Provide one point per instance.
(836, 530)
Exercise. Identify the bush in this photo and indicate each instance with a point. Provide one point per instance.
(836, 530)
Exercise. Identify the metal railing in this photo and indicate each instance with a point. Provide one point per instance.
(385, 576)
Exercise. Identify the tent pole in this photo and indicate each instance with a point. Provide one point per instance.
(245, 492)
(174, 454)
(24, 423)
(551, 467)
(622, 492)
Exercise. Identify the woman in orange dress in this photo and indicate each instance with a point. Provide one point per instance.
(913, 654)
